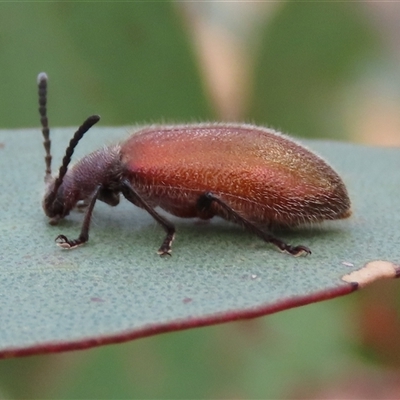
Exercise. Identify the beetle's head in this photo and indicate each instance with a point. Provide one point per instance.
(54, 203)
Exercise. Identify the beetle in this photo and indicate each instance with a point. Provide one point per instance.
(246, 174)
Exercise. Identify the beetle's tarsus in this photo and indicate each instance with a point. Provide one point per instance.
(164, 252)
(63, 242)
(165, 248)
(297, 251)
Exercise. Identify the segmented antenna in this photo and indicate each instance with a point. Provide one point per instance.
(42, 90)
(78, 135)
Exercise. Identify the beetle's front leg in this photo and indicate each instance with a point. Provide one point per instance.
(64, 242)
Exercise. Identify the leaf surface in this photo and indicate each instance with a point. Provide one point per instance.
(116, 287)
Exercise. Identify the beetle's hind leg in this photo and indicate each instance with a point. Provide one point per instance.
(207, 199)
(130, 194)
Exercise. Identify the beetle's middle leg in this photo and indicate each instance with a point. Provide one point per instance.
(133, 196)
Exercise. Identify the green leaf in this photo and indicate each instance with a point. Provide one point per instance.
(117, 288)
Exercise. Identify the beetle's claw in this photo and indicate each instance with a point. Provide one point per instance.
(297, 251)
(63, 242)
(163, 251)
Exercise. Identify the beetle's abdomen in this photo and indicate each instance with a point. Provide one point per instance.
(264, 176)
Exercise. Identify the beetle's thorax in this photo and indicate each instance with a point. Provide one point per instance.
(100, 168)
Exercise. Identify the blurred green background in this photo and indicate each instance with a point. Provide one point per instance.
(326, 70)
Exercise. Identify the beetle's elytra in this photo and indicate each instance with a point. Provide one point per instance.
(246, 174)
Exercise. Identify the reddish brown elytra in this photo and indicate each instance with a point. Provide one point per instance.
(246, 174)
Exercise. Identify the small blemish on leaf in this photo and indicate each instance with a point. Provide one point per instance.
(97, 299)
(348, 264)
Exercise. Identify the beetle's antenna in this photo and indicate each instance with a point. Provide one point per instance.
(87, 124)
(42, 90)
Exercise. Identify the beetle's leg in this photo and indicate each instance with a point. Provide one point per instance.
(130, 194)
(205, 201)
(64, 242)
